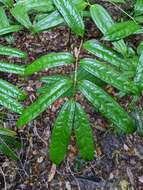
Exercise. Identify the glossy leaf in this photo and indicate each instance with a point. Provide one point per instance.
(109, 75)
(36, 5)
(139, 7)
(121, 30)
(107, 54)
(11, 68)
(71, 15)
(139, 73)
(12, 52)
(49, 21)
(83, 133)
(61, 132)
(107, 106)
(10, 103)
(10, 29)
(4, 22)
(11, 90)
(9, 3)
(21, 15)
(49, 61)
(104, 21)
(54, 92)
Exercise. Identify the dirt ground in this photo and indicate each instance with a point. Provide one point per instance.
(118, 163)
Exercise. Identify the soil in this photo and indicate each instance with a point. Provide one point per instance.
(118, 163)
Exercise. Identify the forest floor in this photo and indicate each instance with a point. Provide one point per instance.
(118, 164)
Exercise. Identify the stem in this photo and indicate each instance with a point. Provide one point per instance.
(77, 53)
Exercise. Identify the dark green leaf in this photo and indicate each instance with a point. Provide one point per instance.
(121, 30)
(109, 75)
(61, 132)
(11, 90)
(11, 68)
(53, 92)
(12, 52)
(83, 132)
(107, 106)
(10, 103)
(71, 15)
(49, 61)
(104, 21)
(10, 29)
(107, 54)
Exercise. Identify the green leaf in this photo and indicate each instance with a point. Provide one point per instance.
(10, 29)
(138, 7)
(71, 15)
(4, 22)
(20, 14)
(11, 68)
(107, 106)
(117, 1)
(11, 90)
(79, 4)
(121, 30)
(7, 132)
(140, 48)
(36, 5)
(5, 148)
(139, 73)
(109, 75)
(50, 80)
(10, 103)
(107, 54)
(83, 133)
(82, 74)
(8, 3)
(49, 61)
(12, 52)
(49, 21)
(61, 132)
(104, 21)
(11, 141)
(54, 92)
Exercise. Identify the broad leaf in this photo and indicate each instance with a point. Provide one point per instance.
(53, 92)
(10, 103)
(109, 75)
(49, 21)
(61, 132)
(83, 132)
(21, 15)
(49, 61)
(104, 21)
(12, 52)
(11, 90)
(10, 29)
(107, 54)
(107, 106)
(139, 73)
(4, 22)
(139, 7)
(121, 30)
(71, 15)
(11, 68)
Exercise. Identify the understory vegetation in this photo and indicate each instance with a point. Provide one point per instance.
(111, 62)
